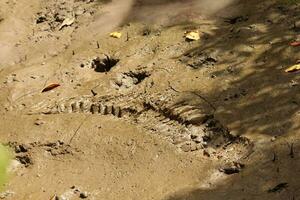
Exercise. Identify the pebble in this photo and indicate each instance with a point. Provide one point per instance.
(209, 151)
(83, 195)
(273, 139)
(39, 122)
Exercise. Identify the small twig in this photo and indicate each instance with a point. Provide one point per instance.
(108, 62)
(76, 131)
(172, 88)
(127, 37)
(204, 99)
(274, 157)
(93, 88)
(292, 150)
(24, 95)
(163, 69)
(98, 45)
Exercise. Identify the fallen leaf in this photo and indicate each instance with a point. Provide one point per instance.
(295, 44)
(50, 87)
(67, 22)
(192, 35)
(116, 35)
(293, 68)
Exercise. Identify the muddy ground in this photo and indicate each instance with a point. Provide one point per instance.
(150, 115)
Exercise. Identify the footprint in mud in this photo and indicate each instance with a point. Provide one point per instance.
(130, 79)
(24, 152)
(185, 119)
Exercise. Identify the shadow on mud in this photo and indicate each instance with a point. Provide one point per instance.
(260, 97)
(271, 174)
(251, 50)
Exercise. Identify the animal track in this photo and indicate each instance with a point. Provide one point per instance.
(184, 119)
(131, 78)
(24, 153)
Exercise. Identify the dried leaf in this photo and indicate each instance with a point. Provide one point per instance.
(295, 44)
(50, 87)
(116, 35)
(192, 35)
(293, 68)
(67, 22)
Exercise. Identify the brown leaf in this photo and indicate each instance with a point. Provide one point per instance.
(50, 87)
(295, 44)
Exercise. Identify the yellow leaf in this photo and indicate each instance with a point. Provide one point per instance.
(192, 35)
(293, 68)
(116, 34)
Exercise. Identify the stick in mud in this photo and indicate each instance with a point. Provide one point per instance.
(292, 150)
(76, 131)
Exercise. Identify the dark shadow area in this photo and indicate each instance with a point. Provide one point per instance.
(250, 50)
(272, 174)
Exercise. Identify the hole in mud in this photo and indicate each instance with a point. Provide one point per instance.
(104, 64)
(41, 19)
(138, 76)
